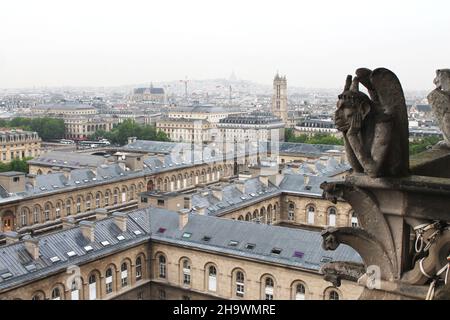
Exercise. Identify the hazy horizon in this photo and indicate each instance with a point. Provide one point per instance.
(115, 43)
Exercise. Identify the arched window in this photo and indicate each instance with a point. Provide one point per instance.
(75, 291)
(88, 203)
(107, 198)
(186, 272)
(248, 216)
(132, 192)
(300, 292)
(24, 217)
(38, 296)
(268, 288)
(138, 268)
(310, 210)
(58, 210)
(241, 218)
(47, 212)
(240, 285)
(124, 195)
(162, 266)
(354, 220)
(36, 214)
(212, 278)
(109, 281)
(97, 200)
(291, 211)
(116, 196)
(124, 274)
(56, 294)
(332, 217)
(92, 287)
(78, 205)
(333, 295)
(68, 207)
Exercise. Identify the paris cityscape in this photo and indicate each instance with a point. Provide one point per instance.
(146, 160)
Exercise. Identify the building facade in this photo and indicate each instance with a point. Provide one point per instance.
(18, 144)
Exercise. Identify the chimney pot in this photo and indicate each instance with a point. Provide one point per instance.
(183, 218)
(100, 214)
(11, 237)
(68, 222)
(32, 246)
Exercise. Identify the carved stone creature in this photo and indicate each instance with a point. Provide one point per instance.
(439, 100)
(375, 129)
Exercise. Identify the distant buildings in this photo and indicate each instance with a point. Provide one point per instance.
(62, 110)
(149, 95)
(314, 126)
(18, 144)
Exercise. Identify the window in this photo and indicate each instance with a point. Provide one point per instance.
(162, 294)
(268, 289)
(109, 281)
(300, 292)
(276, 251)
(107, 198)
(24, 217)
(36, 214)
(97, 200)
(160, 202)
(38, 296)
(56, 294)
(116, 197)
(78, 205)
(75, 291)
(311, 212)
(240, 287)
(124, 195)
(68, 207)
(139, 268)
(187, 235)
(212, 277)
(333, 295)
(58, 210)
(124, 274)
(354, 220)
(88, 203)
(332, 217)
(186, 272)
(291, 211)
(47, 212)
(162, 266)
(92, 287)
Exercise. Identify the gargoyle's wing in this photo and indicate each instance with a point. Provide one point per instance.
(389, 92)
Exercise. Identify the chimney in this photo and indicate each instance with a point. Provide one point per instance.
(120, 219)
(122, 165)
(100, 214)
(183, 218)
(66, 172)
(305, 180)
(31, 179)
(11, 237)
(276, 179)
(264, 180)
(88, 230)
(134, 162)
(217, 192)
(201, 210)
(240, 185)
(32, 246)
(68, 222)
(131, 139)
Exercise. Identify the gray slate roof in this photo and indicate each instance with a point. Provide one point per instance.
(303, 148)
(68, 159)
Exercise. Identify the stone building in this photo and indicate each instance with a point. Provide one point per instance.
(80, 127)
(187, 130)
(316, 126)
(18, 144)
(62, 110)
(160, 254)
(212, 114)
(279, 98)
(149, 95)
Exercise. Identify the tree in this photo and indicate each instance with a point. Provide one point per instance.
(319, 138)
(20, 165)
(47, 128)
(420, 145)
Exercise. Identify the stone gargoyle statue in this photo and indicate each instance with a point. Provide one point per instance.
(439, 100)
(374, 127)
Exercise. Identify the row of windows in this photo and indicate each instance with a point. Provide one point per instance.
(268, 289)
(262, 215)
(311, 215)
(95, 281)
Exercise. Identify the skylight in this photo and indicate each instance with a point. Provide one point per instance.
(326, 259)
(206, 238)
(30, 267)
(71, 253)
(6, 275)
(298, 254)
(120, 238)
(54, 259)
(105, 243)
(187, 235)
(276, 250)
(233, 243)
(137, 232)
(161, 230)
(250, 246)
(88, 248)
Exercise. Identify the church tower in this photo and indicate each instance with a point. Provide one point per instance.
(279, 98)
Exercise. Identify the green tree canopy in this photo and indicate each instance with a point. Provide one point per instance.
(319, 138)
(47, 128)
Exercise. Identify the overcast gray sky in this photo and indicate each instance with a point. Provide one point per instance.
(315, 43)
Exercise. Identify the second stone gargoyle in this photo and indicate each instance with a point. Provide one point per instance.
(375, 129)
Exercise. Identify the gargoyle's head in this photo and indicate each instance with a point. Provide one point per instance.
(351, 101)
(442, 80)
